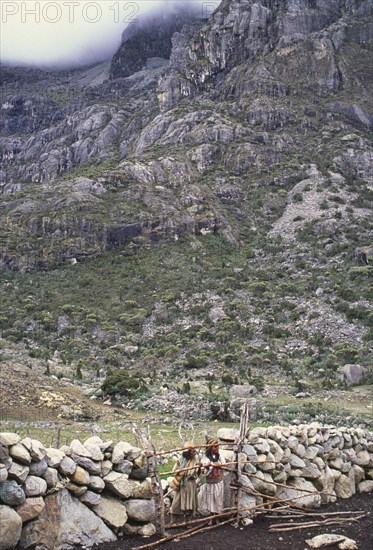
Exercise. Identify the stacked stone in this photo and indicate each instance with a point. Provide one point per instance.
(317, 463)
(84, 493)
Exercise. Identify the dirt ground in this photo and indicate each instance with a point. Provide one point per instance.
(257, 536)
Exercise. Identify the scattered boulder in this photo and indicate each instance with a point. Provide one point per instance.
(352, 375)
(322, 541)
(244, 390)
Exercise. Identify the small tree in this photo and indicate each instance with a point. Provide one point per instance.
(78, 373)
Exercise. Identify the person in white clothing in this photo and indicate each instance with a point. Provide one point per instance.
(211, 495)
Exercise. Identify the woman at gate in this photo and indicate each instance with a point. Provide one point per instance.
(211, 495)
(187, 470)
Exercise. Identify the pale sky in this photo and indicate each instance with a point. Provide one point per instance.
(70, 32)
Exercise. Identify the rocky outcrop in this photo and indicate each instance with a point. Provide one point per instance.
(150, 37)
(250, 100)
(299, 37)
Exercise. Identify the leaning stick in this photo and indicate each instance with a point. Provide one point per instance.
(184, 536)
(309, 524)
(312, 514)
(161, 453)
(319, 522)
(287, 486)
(222, 466)
(173, 472)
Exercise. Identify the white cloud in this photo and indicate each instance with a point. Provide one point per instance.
(68, 32)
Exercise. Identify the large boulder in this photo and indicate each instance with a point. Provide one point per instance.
(120, 485)
(35, 486)
(10, 528)
(246, 501)
(298, 487)
(63, 524)
(140, 510)
(11, 493)
(352, 375)
(244, 390)
(31, 508)
(8, 438)
(111, 511)
(19, 453)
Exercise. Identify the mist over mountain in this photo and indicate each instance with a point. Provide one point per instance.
(66, 35)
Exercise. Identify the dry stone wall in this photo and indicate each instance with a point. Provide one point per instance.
(83, 493)
(93, 492)
(313, 463)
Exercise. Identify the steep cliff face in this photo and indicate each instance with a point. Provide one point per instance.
(150, 36)
(247, 159)
(253, 99)
(299, 45)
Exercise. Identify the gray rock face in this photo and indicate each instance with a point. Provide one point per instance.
(238, 32)
(63, 523)
(242, 58)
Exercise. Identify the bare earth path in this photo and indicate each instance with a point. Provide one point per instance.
(257, 536)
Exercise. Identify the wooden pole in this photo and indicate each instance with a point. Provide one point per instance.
(157, 490)
(236, 497)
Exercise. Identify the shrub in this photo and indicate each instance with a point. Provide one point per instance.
(227, 378)
(194, 361)
(122, 383)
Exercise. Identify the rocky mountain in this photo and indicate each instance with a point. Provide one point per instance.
(205, 208)
(151, 36)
